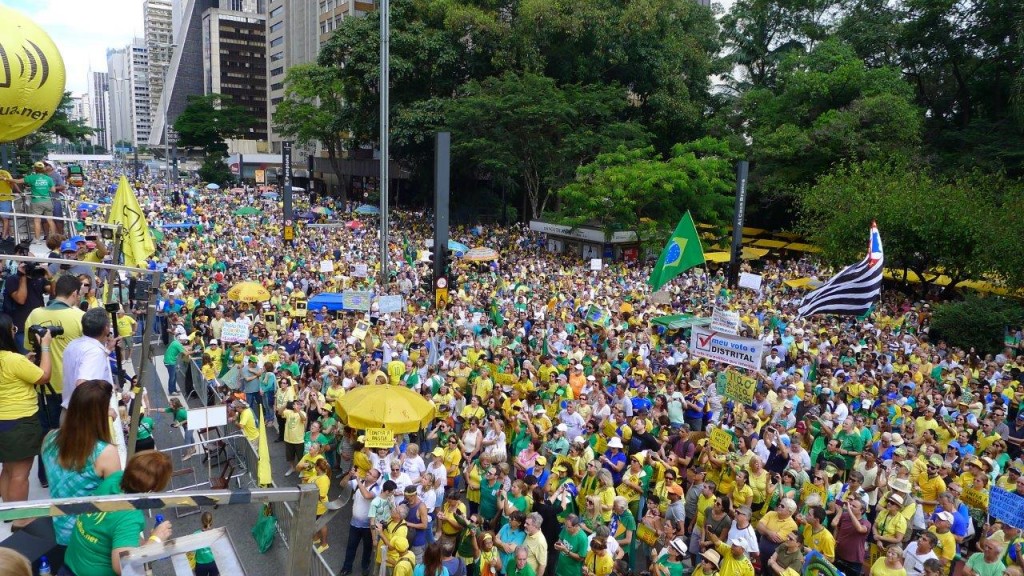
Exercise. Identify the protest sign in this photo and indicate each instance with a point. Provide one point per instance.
(739, 388)
(730, 349)
(359, 332)
(379, 438)
(388, 304)
(751, 281)
(725, 321)
(359, 270)
(977, 499)
(235, 332)
(326, 266)
(596, 264)
(720, 440)
(1006, 507)
(356, 300)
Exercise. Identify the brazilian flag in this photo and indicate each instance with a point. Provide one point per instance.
(682, 252)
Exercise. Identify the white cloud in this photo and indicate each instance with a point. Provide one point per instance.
(83, 30)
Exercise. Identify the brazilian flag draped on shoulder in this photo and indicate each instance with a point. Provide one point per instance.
(136, 242)
(682, 252)
(408, 252)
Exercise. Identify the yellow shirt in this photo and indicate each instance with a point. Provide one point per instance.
(890, 525)
(822, 541)
(472, 412)
(125, 325)
(599, 565)
(57, 314)
(880, 569)
(921, 424)
(323, 483)
(6, 192)
(247, 422)
(18, 379)
(783, 526)
(930, 490)
(946, 548)
(730, 566)
(294, 427)
(395, 370)
(985, 441)
(406, 566)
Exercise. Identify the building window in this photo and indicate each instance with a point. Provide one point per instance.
(276, 26)
(276, 101)
(276, 57)
(276, 41)
(277, 71)
(277, 86)
(276, 11)
(236, 5)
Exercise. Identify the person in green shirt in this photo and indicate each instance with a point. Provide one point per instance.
(988, 562)
(99, 538)
(205, 563)
(489, 487)
(518, 566)
(171, 358)
(40, 186)
(144, 437)
(671, 562)
(572, 547)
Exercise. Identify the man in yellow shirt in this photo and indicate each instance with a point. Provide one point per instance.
(483, 385)
(816, 536)
(125, 324)
(926, 422)
(395, 369)
(946, 548)
(246, 420)
(930, 485)
(6, 201)
(734, 557)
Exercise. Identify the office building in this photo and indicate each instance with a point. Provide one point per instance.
(157, 24)
(128, 69)
(292, 38)
(98, 111)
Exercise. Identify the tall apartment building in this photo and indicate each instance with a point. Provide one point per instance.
(292, 38)
(98, 109)
(220, 48)
(158, 27)
(128, 69)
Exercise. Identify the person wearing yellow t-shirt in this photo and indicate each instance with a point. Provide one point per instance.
(395, 369)
(734, 560)
(482, 384)
(946, 548)
(816, 536)
(926, 422)
(6, 201)
(930, 485)
(22, 434)
(246, 420)
(125, 324)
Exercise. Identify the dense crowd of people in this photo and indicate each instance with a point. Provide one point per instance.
(561, 444)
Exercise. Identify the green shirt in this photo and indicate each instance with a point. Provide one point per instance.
(174, 351)
(40, 184)
(511, 570)
(204, 555)
(578, 544)
(674, 568)
(97, 535)
(146, 428)
(977, 563)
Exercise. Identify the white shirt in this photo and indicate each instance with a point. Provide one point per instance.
(85, 358)
(360, 504)
(913, 562)
(746, 534)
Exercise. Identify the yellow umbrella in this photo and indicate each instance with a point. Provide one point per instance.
(396, 408)
(248, 292)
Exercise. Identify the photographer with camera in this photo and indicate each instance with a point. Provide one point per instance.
(21, 433)
(23, 291)
(63, 319)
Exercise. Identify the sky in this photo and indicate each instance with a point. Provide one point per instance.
(83, 30)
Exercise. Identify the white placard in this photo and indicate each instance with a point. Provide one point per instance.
(752, 281)
(359, 332)
(235, 332)
(734, 350)
(725, 321)
(359, 270)
(388, 304)
(596, 264)
(203, 418)
(326, 266)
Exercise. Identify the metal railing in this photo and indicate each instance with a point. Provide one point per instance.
(23, 219)
(301, 530)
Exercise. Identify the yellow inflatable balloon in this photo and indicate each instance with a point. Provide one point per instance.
(31, 76)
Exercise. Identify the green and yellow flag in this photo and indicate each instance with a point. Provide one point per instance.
(682, 252)
(136, 242)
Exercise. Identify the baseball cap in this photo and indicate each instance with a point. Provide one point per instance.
(68, 246)
(541, 461)
(39, 166)
(944, 516)
(675, 489)
(438, 452)
(213, 342)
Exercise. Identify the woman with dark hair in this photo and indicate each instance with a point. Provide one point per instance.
(80, 454)
(433, 562)
(20, 431)
(99, 538)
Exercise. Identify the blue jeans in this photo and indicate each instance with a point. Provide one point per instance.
(253, 399)
(268, 405)
(172, 378)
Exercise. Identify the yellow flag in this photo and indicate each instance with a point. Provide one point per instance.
(136, 242)
(263, 474)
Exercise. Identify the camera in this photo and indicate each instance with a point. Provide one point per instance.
(34, 270)
(40, 331)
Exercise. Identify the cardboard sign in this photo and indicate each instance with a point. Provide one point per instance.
(1006, 506)
(751, 281)
(661, 297)
(326, 266)
(203, 418)
(356, 300)
(234, 332)
(359, 270)
(725, 321)
(388, 304)
(739, 388)
(974, 498)
(719, 440)
(728, 348)
(359, 332)
(596, 264)
(380, 438)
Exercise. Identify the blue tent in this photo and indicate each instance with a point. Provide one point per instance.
(367, 209)
(331, 300)
(88, 207)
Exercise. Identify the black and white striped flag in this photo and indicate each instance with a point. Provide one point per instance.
(854, 290)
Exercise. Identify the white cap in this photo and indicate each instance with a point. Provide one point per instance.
(562, 427)
(213, 342)
(948, 517)
(615, 443)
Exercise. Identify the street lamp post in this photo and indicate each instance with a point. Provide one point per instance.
(385, 75)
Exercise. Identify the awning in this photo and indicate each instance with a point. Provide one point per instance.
(680, 321)
(718, 257)
(765, 243)
(802, 247)
(753, 253)
(791, 236)
(913, 278)
(808, 283)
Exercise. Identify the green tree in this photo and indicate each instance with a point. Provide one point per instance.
(205, 123)
(32, 146)
(642, 191)
(526, 130)
(827, 108)
(928, 223)
(314, 111)
(975, 322)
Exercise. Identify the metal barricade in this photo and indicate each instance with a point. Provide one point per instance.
(300, 526)
(199, 387)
